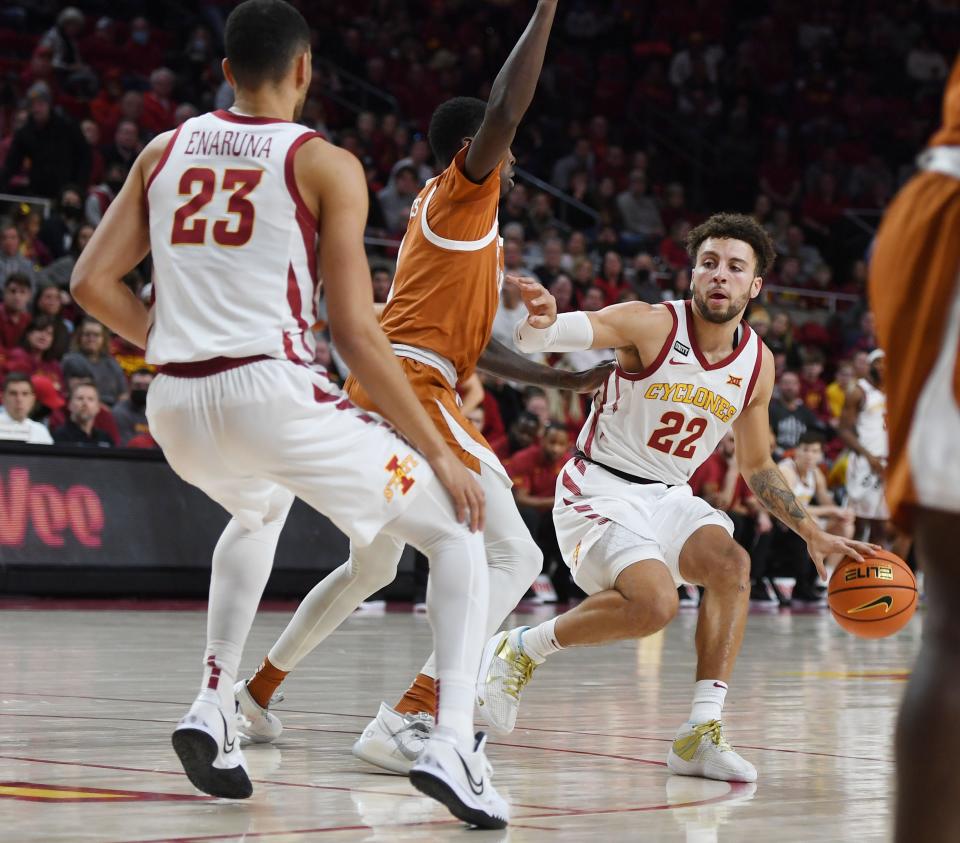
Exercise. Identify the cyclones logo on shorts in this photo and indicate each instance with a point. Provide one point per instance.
(399, 475)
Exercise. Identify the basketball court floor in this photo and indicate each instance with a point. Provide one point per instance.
(88, 700)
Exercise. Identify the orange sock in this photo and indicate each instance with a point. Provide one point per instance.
(421, 696)
(264, 682)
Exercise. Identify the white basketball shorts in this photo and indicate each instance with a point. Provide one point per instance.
(254, 436)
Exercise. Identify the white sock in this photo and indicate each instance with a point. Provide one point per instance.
(708, 698)
(455, 698)
(540, 641)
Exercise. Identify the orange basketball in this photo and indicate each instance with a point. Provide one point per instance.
(874, 598)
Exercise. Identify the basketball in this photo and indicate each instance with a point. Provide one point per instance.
(874, 598)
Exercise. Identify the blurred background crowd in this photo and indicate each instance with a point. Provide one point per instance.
(648, 118)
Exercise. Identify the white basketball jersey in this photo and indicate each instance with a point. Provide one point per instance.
(872, 421)
(234, 245)
(663, 422)
(805, 488)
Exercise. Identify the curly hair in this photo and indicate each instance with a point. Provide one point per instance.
(454, 120)
(735, 227)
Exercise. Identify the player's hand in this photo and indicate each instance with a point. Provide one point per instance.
(541, 305)
(461, 483)
(877, 465)
(590, 380)
(822, 544)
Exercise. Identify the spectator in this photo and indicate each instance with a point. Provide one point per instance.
(795, 246)
(55, 407)
(159, 107)
(382, 282)
(54, 146)
(644, 283)
(100, 197)
(863, 337)
(34, 354)
(510, 311)
(417, 159)
(513, 260)
(58, 230)
(837, 390)
(18, 403)
(780, 176)
(14, 315)
(673, 249)
(639, 212)
(49, 302)
(580, 159)
(126, 145)
(562, 291)
(12, 262)
(105, 108)
(91, 358)
(925, 64)
(612, 281)
(84, 404)
(397, 197)
(540, 216)
(91, 134)
(58, 273)
(813, 390)
(551, 267)
(790, 418)
(131, 413)
(524, 432)
(62, 40)
(32, 247)
(142, 53)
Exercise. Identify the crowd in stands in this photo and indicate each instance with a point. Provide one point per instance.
(648, 118)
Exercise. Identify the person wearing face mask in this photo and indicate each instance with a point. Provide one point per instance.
(58, 230)
(100, 197)
(131, 413)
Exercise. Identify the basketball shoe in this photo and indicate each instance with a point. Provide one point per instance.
(207, 743)
(701, 750)
(261, 726)
(461, 782)
(394, 741)
(505, 671)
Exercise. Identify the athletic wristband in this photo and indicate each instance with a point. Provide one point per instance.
(571, 332)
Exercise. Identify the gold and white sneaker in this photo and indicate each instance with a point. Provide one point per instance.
(701, 750)
(505, 671)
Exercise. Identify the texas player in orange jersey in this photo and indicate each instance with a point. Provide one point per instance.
(915, 294)
(439, 319)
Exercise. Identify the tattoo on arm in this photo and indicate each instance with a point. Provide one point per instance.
(771, 489)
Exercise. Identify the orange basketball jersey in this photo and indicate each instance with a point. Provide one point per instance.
(444, 298)
(447, 285)
(914, 278)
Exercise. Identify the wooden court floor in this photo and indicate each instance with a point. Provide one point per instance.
(88, 699)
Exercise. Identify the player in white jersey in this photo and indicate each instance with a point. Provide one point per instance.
(627, 523)
(863, 429)
(243, 212)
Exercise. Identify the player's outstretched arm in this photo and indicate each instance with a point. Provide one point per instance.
(616, 326)
(336, 183)
(503, 362)
(752, 432)
(511, 95)
(119, 243)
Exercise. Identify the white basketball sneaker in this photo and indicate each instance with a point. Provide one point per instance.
(208, 745)
(703, 751)
(505, 671)
(394, 741)
(261, 726)
(461, 782)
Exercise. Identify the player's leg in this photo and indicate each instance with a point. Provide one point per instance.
(206, 738)
(711, 558)
(514, 560)
(632, 594)
(326, 606)
(927, 745)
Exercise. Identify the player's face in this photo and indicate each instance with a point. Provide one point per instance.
(877, 368)
(724, 279)
(506, 173)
